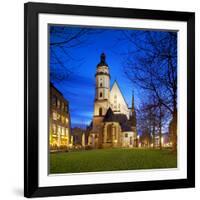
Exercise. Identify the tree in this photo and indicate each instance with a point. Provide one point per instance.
(151, 119)
(62, 41)
(152, 65)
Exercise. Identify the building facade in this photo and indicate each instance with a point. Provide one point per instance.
(59, 121)
(113, 124)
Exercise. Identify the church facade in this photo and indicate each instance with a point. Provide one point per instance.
(113, 123)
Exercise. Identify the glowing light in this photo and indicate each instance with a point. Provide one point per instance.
(162, 140)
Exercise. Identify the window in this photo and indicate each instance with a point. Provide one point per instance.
(126, 135)
(54, 100)
(58, 104)
(59, 130)
(100, 111)
(67, 131)
(100, 94)
(54, 128)
(67, 120)
(54, 116)
(63, 106)
(100, 84)
(63, 131)
(58, 116)
(63, 119)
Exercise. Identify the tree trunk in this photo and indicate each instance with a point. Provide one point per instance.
(174, 130)
(160, 128)
(153, 134)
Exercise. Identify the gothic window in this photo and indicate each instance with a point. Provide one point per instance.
(109, 133)
(100, 111)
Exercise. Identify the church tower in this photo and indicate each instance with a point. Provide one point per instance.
(102, 90)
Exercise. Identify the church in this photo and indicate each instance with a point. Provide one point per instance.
(113, 123)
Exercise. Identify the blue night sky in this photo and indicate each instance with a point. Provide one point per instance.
(81, 61)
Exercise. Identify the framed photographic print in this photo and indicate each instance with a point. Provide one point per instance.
(109, 100)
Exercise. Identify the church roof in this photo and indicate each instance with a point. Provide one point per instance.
(120, 118)
(117, 85)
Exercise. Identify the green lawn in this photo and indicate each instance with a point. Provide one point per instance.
(111, 159)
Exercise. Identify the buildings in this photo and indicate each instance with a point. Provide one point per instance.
(113, 124)
(59, 121)
(79, 136)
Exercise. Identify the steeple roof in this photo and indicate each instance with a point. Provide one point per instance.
(102, 60)
(133, 114)
(133, 106)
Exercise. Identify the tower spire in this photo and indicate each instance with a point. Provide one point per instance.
(102, 60)
(133, 113)
(103, 57)
(133, 106)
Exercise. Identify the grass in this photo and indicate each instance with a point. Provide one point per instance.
(111, 159)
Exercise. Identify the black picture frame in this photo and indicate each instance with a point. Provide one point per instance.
(31, 12)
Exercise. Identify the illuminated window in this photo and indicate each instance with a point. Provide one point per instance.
(67, 120)
(54, 116)
(63, 119)
(59, 130)
(67, 131)
(63, 131)
(58, 116)
(54, 128)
